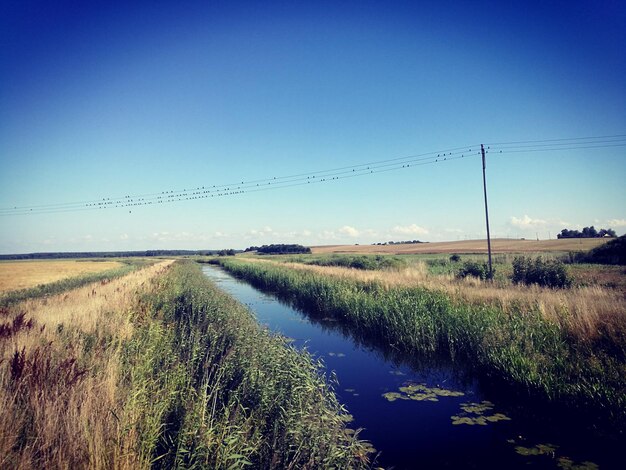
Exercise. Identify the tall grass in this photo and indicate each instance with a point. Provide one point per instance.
(520, 346)
(238, 394)
(160, 369)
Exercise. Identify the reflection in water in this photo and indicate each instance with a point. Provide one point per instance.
(423, 410)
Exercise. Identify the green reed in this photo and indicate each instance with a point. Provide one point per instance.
(520, 347)
(215, 390)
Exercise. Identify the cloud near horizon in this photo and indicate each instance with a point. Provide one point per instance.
(616, 223)
(349, 231)
(412, 229)
(527, 222)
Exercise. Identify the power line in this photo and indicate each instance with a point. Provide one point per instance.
(273, 184)
(183, 192)
(556, 140)
(319, 176)
(210, 190)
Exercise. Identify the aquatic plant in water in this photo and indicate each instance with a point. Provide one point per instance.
(539, 449)
(420, 392)
(481, 414)
(551, 451)
(568, 464)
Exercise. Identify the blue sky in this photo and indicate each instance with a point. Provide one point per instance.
(103, 99)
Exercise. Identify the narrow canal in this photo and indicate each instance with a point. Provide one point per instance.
(422, 415)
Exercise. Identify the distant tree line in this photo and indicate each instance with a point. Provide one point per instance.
(398, 243)
(279, 249)
(110, 254)
(588, 232)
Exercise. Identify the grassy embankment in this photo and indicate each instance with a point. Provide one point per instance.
(159, 369)
(565, 346)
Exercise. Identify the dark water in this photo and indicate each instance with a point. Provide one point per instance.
(427, 414)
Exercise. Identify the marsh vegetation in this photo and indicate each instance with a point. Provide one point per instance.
(158, 368)
(563, 345)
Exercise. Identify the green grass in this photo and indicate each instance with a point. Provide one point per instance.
(217, 391)
(520, 347)
(365, 262)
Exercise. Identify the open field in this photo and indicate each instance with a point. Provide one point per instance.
(16, 275)
(498, 245)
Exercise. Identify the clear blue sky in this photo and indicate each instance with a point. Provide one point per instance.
(103, 99)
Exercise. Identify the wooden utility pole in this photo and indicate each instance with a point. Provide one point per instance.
(482, 151)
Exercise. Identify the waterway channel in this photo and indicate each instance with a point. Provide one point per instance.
(424, 414)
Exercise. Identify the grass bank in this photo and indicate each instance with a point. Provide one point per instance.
(167, 372)
(520, 345)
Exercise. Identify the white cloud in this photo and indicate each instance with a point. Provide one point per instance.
(124, 236)
(350, 231)
(526, 222)
(264, 231)
(616, 223)
(412, 229)
(327, 235)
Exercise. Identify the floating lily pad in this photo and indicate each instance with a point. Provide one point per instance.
(475, 413)
(462, 420)
(477, 408)
(551, 450)
(568, 464)
(420, 392)
(393, 396)
(539, 449)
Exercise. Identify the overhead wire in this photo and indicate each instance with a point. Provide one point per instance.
(319, 176)
(236, 188)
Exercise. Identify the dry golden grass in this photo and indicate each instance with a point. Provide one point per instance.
(23, 274)
(498, 245)
(68, 393)
(585, 312)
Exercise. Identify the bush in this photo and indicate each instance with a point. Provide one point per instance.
(612, 252)
(547, 273)
(455, 258)
(473, 268)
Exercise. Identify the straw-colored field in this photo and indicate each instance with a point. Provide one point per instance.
(23, 274)
(499, 245)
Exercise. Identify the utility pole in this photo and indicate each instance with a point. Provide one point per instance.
(482, 151)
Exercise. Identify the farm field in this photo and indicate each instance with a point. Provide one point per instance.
(498, 245)
(16, 275)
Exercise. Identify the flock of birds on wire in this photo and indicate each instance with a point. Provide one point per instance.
(224, 190)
